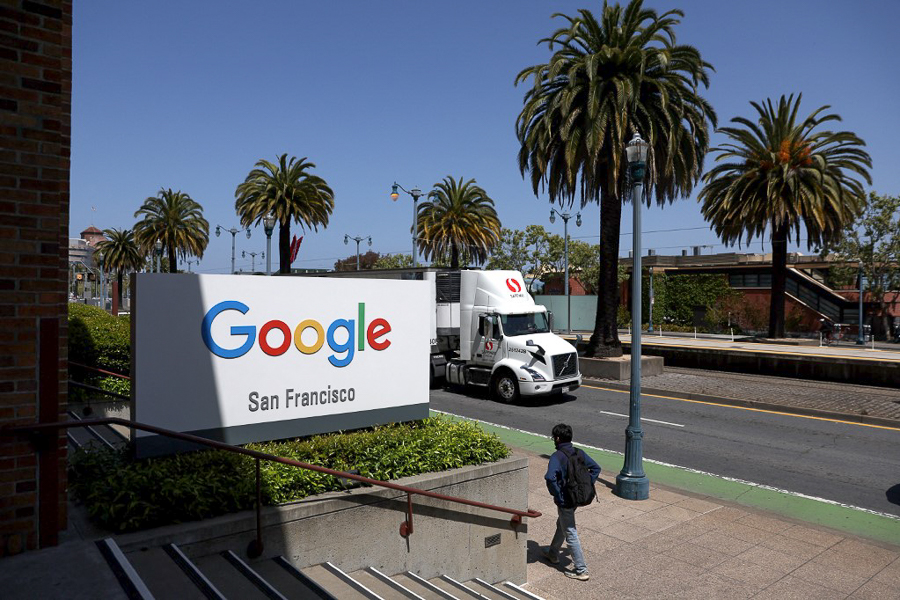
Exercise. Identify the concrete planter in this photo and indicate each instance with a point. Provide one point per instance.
(360, 528)
(619, 367)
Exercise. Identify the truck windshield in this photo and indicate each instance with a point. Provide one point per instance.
(524, 324)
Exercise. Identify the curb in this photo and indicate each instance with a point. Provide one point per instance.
(796, 410)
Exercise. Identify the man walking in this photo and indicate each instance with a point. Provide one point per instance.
(557, 477)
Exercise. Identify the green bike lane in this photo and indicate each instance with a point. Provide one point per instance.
(844, 518)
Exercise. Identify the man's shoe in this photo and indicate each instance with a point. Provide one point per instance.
(583, 576)
(551, 558)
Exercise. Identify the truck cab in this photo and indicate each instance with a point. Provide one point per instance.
(506, 342)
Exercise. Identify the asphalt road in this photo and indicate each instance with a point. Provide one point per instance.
(847, 463)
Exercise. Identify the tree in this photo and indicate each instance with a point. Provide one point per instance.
(510, 253)
(366, 261)
(607, 79)
(177, 221)
(873, 240)
(290, 192)
(782, 175)
(120, 252)
(458, 216)
(393, 261)
(584, 261)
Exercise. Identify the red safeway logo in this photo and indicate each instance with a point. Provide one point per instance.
(489, 345)
(513, 285)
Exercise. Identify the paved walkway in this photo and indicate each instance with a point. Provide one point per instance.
(784, 391)
(683, 545)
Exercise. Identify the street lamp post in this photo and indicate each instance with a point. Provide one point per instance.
(650, 318)
(158, 246)
(415, 193)
(565, 217)
(190, 261)
(253, 256)
(632, 482)
(269, 226)
(861, 336)
(233, 231)
(347, 239)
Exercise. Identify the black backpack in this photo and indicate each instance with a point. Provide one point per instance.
(578, 489)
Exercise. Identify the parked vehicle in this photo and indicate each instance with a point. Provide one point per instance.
(487, 331)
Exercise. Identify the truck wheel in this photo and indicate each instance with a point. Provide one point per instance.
(505, 387)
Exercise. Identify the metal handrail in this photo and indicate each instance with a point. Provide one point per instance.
(255, 548)
(81, 366)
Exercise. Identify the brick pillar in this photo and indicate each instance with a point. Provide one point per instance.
(35, 118)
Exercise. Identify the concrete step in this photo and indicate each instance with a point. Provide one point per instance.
(422, 587)
(288, 580)
(226, 578)
(455, 588)
(517, 591)
(488, 590)
(337, 583)
(253, 576)
(163, 577)
(383, 585)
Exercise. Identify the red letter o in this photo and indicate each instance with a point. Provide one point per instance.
(264, 332)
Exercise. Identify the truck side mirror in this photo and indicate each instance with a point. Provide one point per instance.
(550, 319)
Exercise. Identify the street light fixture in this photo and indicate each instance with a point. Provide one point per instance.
(347, 239)
(190, 261)
(416, 193)
(233, 231)
(158, 245)
(632, 482)
(253, 256)
(565, 217)
(269, 226)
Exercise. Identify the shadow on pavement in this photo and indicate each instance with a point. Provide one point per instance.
(893, 494)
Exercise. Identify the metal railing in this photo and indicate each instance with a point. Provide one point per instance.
(255, 548)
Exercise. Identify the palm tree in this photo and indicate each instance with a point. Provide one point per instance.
(459, 216)
(177, 221)
(288, 191)
(608, 78)
(780, 174)
(120, 252)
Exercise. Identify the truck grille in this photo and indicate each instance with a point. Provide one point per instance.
(565, 365)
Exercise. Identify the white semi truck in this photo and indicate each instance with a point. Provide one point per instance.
(487, 331)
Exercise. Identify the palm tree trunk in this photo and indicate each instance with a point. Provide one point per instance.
(119, 279)
(779, 279)
(173, 259)
(604, 341)
(284, 247)
(454, 257)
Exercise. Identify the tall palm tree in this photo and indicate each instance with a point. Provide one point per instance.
(120, 252)
(607, 78)
(459, 217)
(288, 191)
(781, 175)
(177, 221)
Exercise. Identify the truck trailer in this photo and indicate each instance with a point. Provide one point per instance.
(488, 332)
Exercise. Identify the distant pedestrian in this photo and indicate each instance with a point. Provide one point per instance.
(567, 496)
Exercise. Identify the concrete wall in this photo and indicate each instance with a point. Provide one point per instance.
(360, 528)
(35, 109)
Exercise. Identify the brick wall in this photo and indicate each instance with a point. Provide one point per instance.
(35, 110)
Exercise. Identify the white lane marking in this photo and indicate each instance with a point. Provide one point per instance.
(761, 486)
(642, 418)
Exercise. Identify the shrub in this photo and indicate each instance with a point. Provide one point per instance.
(98, 339)
(124, 495)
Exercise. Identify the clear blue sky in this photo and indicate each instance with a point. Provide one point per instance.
(189, 95)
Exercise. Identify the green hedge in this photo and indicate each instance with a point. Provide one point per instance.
(124, 495)
(98, 339)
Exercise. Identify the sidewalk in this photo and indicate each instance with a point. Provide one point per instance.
(680, 544)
